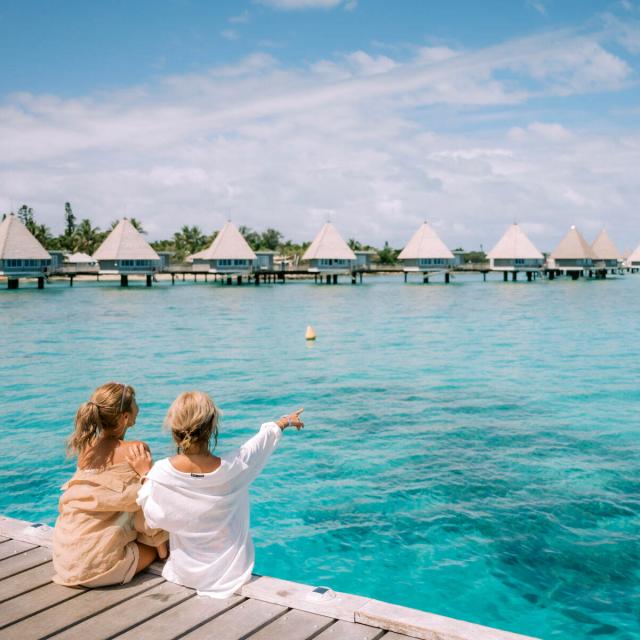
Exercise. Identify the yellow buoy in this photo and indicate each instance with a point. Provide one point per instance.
(310, 333)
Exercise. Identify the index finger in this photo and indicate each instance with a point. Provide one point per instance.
(299, 411)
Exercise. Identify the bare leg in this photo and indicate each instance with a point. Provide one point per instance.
(147, 556)
(162, 551)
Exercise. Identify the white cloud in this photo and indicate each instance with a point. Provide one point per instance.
(241, 18)
(538, 6)
(551, 131)
(355, 136)
(229, 34)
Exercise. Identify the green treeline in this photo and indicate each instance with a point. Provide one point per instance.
(82, 236)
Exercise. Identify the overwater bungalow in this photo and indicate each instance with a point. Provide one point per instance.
(607, 254)
(125, 252)
(228, 254)
(21, 255)
(265, 259)
(426, 253)
(514, 252)
(633, 260)
(329, 255)
(80, 261)
(573, 255)
(364, 258)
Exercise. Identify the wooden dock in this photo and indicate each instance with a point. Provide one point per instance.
(33, 607)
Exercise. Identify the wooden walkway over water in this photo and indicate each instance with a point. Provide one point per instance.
(32, 607)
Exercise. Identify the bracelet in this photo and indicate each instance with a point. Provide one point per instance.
(288, 419)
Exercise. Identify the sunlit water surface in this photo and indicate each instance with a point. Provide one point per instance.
(471, 449)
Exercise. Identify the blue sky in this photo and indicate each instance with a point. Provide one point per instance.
(284, 113)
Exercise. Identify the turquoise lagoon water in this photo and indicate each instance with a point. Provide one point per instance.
(471, 450)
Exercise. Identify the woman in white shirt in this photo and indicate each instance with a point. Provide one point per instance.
(202, 500)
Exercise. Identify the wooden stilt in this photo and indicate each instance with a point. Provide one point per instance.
(529, 276)
(124, 280)
(447, 278)
(148, 280)
(335, 278)
(12, 283)
(71, 281)
(505, 276)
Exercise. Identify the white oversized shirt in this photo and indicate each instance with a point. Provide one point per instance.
(207, 516)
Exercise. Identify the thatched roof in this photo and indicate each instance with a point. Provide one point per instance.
(634, 256)
(17, 242)
(228, 245)
(604, 248)
(125, 242)
(425, 243)
(573, 247)
(80, 258)
(328, 245)
(515, 245)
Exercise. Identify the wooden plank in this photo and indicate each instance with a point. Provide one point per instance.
(40, 534)
(128, 613)
(300, 596)
(182, 618)
(25, 581)
(238, 622)
(343, 630)
(23, 561)
(33, 601)
(426, 626)
(14, 547)
(61, 616)
(3, 539)
(293, 625)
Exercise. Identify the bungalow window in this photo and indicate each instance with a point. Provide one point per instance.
(13, 262)
(240, 263)
(519, 261)
(225, 263)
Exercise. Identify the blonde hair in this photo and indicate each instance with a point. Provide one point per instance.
(193, 419)
(101, 414)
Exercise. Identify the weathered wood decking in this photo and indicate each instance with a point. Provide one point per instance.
(31, 606)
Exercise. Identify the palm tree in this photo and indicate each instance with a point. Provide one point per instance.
(189, 240)
(87, 238)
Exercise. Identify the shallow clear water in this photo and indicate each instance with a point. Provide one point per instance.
(471, 449)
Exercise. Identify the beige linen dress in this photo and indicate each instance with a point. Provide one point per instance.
(98, 522)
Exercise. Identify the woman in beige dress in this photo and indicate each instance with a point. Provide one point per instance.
(100, 537)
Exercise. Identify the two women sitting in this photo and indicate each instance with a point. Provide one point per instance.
(119, 510)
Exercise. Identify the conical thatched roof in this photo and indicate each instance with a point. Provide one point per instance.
(634, 256)
(17, 242)
(573, 247)
(328, 245)
(125, 242)
(515, 245)
(228, 245)
(604, 248)
(425, 243)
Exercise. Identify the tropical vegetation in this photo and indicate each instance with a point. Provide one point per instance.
(83, 236)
